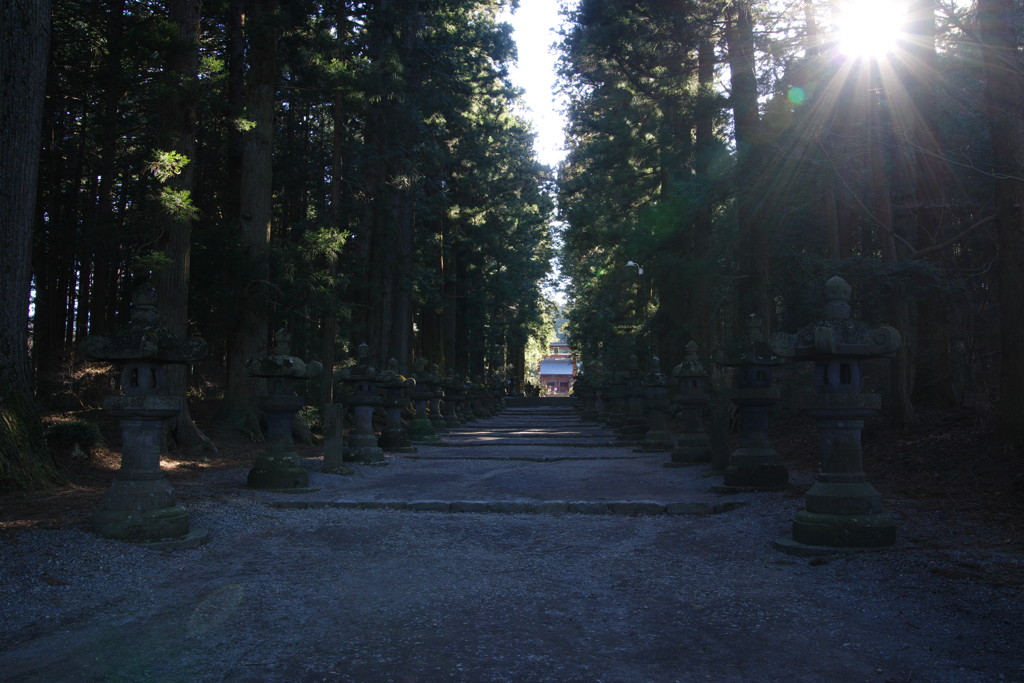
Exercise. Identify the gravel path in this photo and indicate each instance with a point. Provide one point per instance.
(334, 592)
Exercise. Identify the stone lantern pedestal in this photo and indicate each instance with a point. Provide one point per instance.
(583, 390)
(436, 396)
(657, 400)
(279, 467)
(421, 429)
(615, 397)
(755, 464)
(483, 398)
(140, 506)
(334, 443)
(394, 438)
(452, 399)
(468, 406)
(635, 425)
(843, 510)
(365, 398)
(692, 444)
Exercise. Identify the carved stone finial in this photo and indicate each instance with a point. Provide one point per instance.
(691, 365)
(284, 342)
(837, 298)
(144, 310)
(754, 332)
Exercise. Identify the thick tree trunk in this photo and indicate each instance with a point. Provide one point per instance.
(933, 383)
(1005, 100)
(250, 337)
(753, 257)
(902, 409)
(24, 43)
(179, 114)
(703, 220)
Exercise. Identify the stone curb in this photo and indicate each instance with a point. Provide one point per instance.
(622, 507)
(520, 458)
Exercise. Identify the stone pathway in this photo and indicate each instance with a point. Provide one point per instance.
(401, 590)
(541, 459)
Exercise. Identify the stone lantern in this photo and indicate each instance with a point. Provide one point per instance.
(583, 390)
(656, 400)
(453, 397)
(842, 508)
(693, 397)
(481, 398)
(468, 404)
(140, 505)
(436, 396)
(364, 399)
(615, 397)
(421, 430)
(635, 425)
(754, 464)
(394, 438)
(601, 384)
(279, 467)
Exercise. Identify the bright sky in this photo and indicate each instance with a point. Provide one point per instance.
(535, 29)
(535, 25)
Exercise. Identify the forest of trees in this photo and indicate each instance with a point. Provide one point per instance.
(352, 171)
(731, 149)
(357, 171)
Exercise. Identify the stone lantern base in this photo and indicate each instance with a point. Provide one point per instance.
(656, 441)
(395, 440)
(279, 467)
(754, 476)
(140, 505)
(691, 449)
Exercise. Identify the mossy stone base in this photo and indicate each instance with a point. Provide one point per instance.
(692, 449)
(767, 477)
(844, 531)
(278, 470)
(138, 526)
(395, 440)
(843, 498)
(656, 441)
(369, 455)
(421, 431)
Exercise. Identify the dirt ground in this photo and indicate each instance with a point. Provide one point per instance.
(326, 593)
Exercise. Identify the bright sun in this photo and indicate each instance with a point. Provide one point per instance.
(870, 28)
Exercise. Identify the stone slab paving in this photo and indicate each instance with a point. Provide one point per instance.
(493, 465)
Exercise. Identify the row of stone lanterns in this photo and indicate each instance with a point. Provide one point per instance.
(140, 505)
(842, 510)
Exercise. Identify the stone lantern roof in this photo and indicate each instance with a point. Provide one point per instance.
(836, 336)
(143, 339)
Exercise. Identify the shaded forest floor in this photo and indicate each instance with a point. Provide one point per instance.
(949, 461)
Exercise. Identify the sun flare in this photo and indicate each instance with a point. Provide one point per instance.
(870, 28)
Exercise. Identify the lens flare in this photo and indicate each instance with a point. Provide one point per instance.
(870, 28)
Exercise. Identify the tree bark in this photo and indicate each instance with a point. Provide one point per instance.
(24, 43)
(753, 257)
(902, 409)
(1005, 101)
(933, 380)
(250, 338)
(179, 123)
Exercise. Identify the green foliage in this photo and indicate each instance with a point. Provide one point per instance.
(149, 262)
(167, 164)
(312, 417)
(178, 204)
(64, 434)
